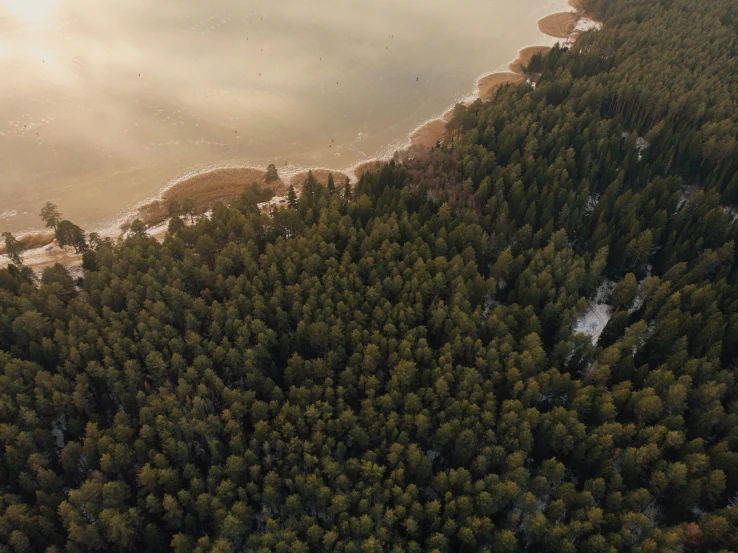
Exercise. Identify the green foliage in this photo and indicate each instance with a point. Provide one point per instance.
(69, 234)
(291, 197)
(13, 248)
(271, 174)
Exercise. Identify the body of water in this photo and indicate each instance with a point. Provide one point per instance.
(102, 103)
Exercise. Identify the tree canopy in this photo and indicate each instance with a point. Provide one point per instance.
(396, 367)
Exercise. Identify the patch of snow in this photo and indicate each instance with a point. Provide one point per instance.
(641, 144)
(730, 212)
(591, 204)
(57, 430)
(593, 322)
(585, 24)
(159, 228)
(75, 272)
(653, 513)
(603, 291)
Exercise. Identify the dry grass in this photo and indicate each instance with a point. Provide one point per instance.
(32, 241)
(426, 135)
(219, 185)
(151, 214)
(524, 57)
(206, 189)
(489, 84)
(321, 175)
(559, 25)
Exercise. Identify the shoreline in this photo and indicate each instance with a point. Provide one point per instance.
(225, 182)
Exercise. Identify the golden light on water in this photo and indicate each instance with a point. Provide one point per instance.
(104, 102)
(30, 11)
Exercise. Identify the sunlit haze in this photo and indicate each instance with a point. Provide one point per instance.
(104, 103)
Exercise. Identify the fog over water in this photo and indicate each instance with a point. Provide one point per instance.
(102, 103)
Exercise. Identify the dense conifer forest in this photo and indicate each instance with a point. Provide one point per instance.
(394, 366)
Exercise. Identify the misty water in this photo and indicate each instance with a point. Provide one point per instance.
(102, 103)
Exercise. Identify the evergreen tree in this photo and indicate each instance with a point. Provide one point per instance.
(13, 248)
(291, 197)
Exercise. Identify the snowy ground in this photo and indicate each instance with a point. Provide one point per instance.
(45, 256)
(593, 322)
(585, 24)
(276, 201)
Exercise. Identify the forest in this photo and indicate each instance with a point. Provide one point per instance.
(394, 366)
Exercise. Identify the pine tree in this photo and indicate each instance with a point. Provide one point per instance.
(292, 197)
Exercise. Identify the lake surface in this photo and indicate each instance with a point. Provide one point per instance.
(102, 103)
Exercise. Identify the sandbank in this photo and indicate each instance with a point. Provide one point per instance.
(559, 25)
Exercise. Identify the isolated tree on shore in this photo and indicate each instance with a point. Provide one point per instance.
(271, 174)
(331, 184)
(69, 234)
(50, 215)
(292, 197)
(13, 248)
